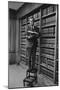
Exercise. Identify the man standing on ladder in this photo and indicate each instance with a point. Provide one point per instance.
(32, 35)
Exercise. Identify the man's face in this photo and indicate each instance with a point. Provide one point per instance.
(31, 21)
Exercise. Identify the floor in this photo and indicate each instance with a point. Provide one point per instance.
(18, 72)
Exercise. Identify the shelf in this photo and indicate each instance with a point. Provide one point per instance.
(49, 25)
(53, 36)
(37, 19)
(50, 14)
(47, 47)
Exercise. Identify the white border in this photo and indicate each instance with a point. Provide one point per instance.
(4, 43)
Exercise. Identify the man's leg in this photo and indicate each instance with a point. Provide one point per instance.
(33, 57)
(30, 53)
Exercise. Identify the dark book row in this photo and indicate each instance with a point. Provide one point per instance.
(37, 15)
(47, 51)
(46, 45)
(49, 9)
(49, 20)
(47, 41)
(47, 61)
(48, 30)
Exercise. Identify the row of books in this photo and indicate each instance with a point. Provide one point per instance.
(23, 58)
(23, 53)
(23, 28)
(48, 67)
(48, 10)
(49, 20)
(48, 35)
(23, 34)
(48, 41)
(48, 30)
(37, 15)
(23, 41)
(23, 46)
(34, 16)
(47, 51)
(51, 63)
(47, 62)
(47, 56)
(47, 45)
(46, 71)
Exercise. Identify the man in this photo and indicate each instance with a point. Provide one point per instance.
(32, 36)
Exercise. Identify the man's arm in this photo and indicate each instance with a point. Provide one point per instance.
(37, 35)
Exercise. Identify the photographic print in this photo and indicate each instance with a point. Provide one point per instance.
(32, 44)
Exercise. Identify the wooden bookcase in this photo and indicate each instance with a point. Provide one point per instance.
(23, 40)
(45, 17)
(48, 43)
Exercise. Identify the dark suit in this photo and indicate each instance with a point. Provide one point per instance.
(33, 48)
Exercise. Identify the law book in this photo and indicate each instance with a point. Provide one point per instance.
(47, 51)
(45, 30)
(50, 41)
(48, 35)
(44, 12)
(47, 61)
(35, 16)
(54, 8)
(51, 30)
(43, 21)
(50, 9)
(39, 15)
(23, 40)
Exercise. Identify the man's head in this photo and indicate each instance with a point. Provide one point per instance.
(31, 21)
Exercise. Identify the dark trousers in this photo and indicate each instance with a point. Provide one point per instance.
(32, 57)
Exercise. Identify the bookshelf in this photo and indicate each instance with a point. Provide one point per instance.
(23, 40)
(45, 18)
(48, 41)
